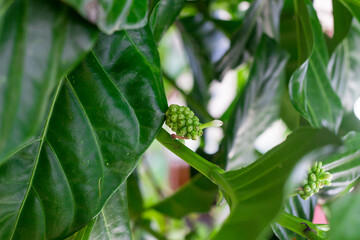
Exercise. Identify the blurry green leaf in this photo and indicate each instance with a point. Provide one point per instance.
(229, 27)
(288, 113)
(258, 105)
(163, 15)
(204, 44)
(198, 195)
(342, 23)
(298, 207)
(310, 89)
(112, 15)
(344, 68)
(255, 193)
(57, 183)
(353, 6)
(37, 50)
(135, 199)
(343, 165)
(262, 17)
(4, 4)
(345, 219)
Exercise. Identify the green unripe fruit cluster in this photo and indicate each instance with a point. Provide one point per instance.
(183, 121)
(316, 180)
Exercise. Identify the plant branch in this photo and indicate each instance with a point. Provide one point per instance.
(300, 226)
(196, 161)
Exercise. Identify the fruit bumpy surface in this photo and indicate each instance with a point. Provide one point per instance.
(183, 121)
(317, 178)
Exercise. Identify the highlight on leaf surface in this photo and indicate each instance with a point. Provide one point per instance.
(317, 178)
(184, 122)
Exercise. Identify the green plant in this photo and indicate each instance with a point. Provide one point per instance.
(82, 98)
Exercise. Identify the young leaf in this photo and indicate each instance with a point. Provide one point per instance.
(57, 183)
(259, 189)
(163, 15)
(310, 89)
(258, 105)
(112, 15)
(40, 41)
(344, 68)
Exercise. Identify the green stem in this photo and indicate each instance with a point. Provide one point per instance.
(297, 225)
(199, 163)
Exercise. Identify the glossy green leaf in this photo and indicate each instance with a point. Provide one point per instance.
(288, 37)
(112, 15)
(84, 233)
(261, 17)
(344, 68)
(353, 6)
(310, 89)
(298, 207)
(57, 183)
(39, 43)
(345, 219)
(259, 189)
(258, 105)
(111, 223)
(198, 195)
(163, 15)
(343, 165)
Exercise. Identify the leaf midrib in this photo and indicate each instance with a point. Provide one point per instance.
(37, 158)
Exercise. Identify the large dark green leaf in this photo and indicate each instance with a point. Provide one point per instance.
(163, 15)
(344, 165)
(344, 68)
(353, 6)
(345, 219)
(112, 15)
(102, 118)
(255, 193)
(310, 89)
(39, 42)
(262, 17)
(298, 207)
(198, 195)
(258, 105)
